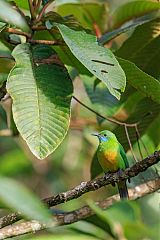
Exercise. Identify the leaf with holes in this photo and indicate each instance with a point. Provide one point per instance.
(41, 91)
(98, 60)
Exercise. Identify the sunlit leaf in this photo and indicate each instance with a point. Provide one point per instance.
(132, 10)
(98, 60)
(19, 198)
(41, 91)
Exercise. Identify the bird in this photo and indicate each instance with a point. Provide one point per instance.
(112, 158)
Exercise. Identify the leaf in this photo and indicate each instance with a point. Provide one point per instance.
(63, 237)
(2, 26)
(146, 112)
(98, 60)
(19, 198)
(100, 97)
(104, 217)
(143, 82)
(112, 34)
(132, 10)
(144, 47)
(9, 15)
(21, 3)
(41, 96)
(87, 14)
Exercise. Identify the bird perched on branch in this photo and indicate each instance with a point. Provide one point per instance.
(112, 158)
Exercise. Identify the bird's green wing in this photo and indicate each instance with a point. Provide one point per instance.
(123, 155)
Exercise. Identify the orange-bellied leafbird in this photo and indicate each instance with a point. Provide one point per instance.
(112, 158)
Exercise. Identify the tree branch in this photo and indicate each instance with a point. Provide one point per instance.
(46, 42)
(133, 125)
(92, 185)
(78, 214)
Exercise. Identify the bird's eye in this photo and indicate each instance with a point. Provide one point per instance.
(105, 135)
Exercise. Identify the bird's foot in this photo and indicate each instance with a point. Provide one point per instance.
(107, 175)
(119, 172)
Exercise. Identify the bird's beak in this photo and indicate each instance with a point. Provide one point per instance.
(95, 134)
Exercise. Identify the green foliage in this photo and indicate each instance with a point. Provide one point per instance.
(16, 196)
(133, 10)
(98, 60)
(42, 117)
(119, 80)
(87, 14)
(145, 56)
(12, 16)
(144, 83)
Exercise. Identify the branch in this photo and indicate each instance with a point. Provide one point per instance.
(12, 30)
(43, 11)
(46, 42)
(78, 214)
(133, 125)
(32, 10)
(92, 185)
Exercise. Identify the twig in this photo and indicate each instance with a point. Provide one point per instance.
(43, 11)
(12, 30)
(92, 185)
(78, 214)
(130, 144)
(32, 10)
(6, 57)
(46, 42)
(139, 146)
(38, 5)
(137, 132)
(106, 118)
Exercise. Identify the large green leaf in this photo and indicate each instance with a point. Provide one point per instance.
(132, 10)
(19, 198)
(9, 15)
(144, 48)
(143, 82)
(41, 91)
(98, 60)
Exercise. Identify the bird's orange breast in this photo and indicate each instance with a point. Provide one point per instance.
(108, 161)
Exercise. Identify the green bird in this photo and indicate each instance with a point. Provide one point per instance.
(112, 158)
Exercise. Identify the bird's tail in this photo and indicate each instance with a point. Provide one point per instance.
(122, 188)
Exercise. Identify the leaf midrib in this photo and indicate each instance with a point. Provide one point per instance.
(38, 97)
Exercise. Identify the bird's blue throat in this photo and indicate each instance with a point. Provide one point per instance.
(103, 139)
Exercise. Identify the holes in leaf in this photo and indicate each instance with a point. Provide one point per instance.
(106, 63)
(104, 71)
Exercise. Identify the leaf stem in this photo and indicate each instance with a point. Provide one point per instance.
(32, 10)
(43, 11)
